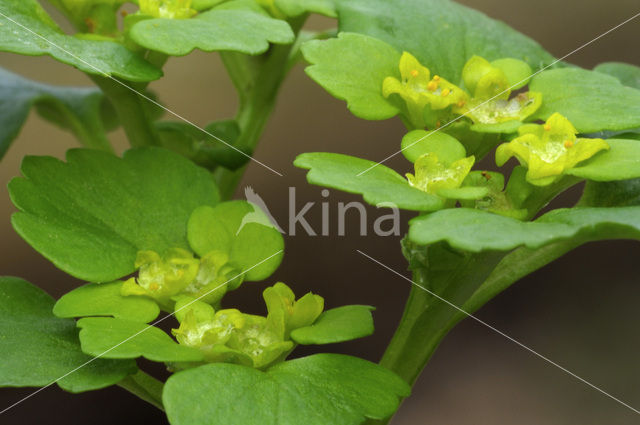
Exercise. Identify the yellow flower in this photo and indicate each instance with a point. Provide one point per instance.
(431, 175)
(419, 90)
(549, 150)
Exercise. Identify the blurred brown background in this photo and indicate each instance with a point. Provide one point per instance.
(581, 311)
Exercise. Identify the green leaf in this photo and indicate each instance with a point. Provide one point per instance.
(77, 109)
(380, 185)
(28, 30)
(476, 230)
(315, 390)
(235, 30)
(620, 162)
(104, 299)
(124, 339)
(298, 7)
(419, 142)
(201, 148)
(241, 230)
(592, 101)
(442, 34)
(39, 348)
(352, 67)
(611, 194)
(629, 75)
(91, 215)
(337, 325)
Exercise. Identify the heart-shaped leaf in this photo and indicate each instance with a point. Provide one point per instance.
(337, 325)
(91, 215)
(379, 185)
(28, 30)
(241, 230)
(105, 299)
(476, 230)
(442, 34)
(39, 348)
(316, 390)
(125, 339)
(77, 109)
(629, 75)
(592, 101)
(217, 29)
(352, 67)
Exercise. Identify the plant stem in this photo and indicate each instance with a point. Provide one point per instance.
(145, 387)
(258, 81)
(131, 112)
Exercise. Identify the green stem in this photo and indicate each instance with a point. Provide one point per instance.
(145, 387)
(131, 112)
(258, 81)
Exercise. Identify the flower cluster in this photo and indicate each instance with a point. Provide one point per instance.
(178, 272)
(257, 341)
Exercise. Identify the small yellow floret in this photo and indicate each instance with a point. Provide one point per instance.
(414, 73)
(547, 127)
(432, 86)
(568, 144)
(436, 78)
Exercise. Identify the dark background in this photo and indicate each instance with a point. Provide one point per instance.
(580, 311)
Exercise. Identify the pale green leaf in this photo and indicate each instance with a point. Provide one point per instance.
(217, 29)
(104, 299)
(378, 184)
(112, 338)
(241, 230)
(337, 325)
(352, 67)
(298, 7)
(419, 142)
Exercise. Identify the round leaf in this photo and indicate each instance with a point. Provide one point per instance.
(91, 215)
(243, 231)
(419, 142)
(352, 67)
(316, 390)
